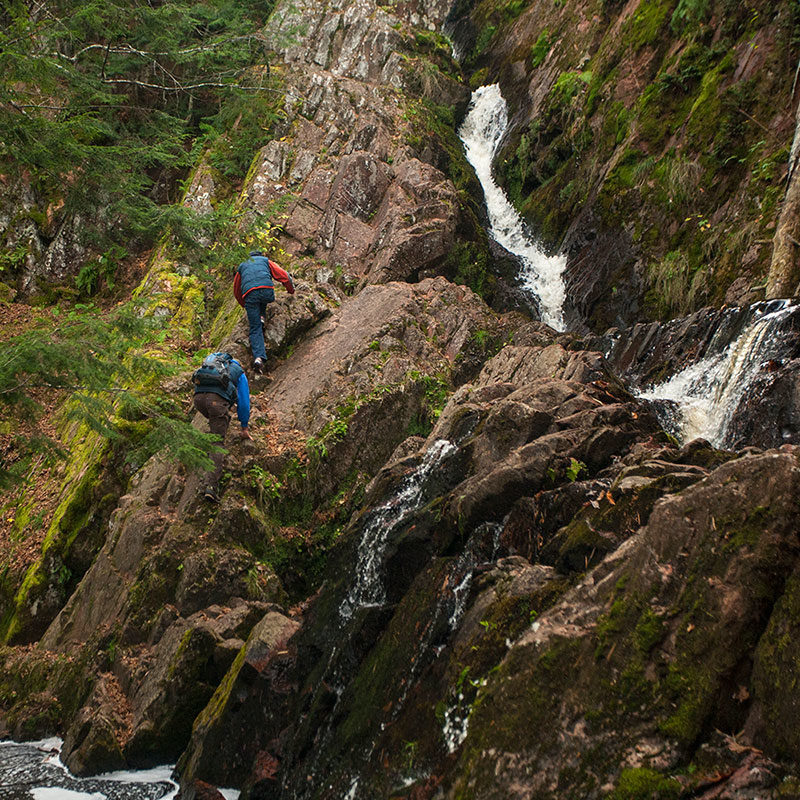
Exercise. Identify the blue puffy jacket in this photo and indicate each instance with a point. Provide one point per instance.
(255, 274)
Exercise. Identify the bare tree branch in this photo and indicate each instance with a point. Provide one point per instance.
(127, 49)
(190, 87)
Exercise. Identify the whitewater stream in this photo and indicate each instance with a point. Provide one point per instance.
(367, 588)
(541, 275)
(706, 394)
(34, 771)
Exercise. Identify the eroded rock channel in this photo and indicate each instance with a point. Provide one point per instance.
(467, 555)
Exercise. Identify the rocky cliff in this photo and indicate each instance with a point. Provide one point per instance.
(650, 141)
(460, 558)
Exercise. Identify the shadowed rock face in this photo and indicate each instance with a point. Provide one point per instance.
(177, 587)
(651, 652)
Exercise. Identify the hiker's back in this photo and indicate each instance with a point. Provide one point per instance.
(255, 273)
(219, 374)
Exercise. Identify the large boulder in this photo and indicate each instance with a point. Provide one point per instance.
(653, 650)
(231, 735)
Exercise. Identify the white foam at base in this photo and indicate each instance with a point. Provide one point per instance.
(57, 793)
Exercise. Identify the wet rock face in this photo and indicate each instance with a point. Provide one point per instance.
(769, 412)
(653, 649)
(567, 583)
(532, 418)
(766, 412)
(648, 352)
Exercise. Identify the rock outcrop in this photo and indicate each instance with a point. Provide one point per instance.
(637, 665)
(459, 558)
(366, 168)
(572, 607)
(177, 587)
(383, 646)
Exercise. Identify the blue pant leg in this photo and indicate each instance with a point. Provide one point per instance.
(253, 305)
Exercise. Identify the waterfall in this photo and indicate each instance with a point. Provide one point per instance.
(367, 588)
(707, 393)
(541, 275)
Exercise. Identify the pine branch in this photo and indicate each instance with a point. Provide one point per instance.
(73, 387)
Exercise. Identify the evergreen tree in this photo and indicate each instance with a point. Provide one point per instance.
(99, 366)
(100, 101)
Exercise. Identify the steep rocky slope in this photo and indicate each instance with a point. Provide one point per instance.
(459, 559)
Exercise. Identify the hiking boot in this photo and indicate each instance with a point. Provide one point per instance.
(210, 494)
(258, 366)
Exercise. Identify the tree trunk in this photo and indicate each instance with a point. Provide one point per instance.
(784, 270)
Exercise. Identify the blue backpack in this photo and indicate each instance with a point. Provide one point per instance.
(215, 373)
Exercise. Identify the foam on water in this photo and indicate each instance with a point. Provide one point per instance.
(708, 392)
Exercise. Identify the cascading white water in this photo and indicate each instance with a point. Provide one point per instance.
(34, 770)
(708, 392)
(542, 275)
(367, 588)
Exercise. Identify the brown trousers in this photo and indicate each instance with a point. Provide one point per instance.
(218, 413)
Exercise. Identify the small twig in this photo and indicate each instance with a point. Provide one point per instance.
(753, 119)
(26, 385)
(181, 88)
(105, 61)
(128, 49)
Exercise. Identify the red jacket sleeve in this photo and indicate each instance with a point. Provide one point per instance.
(283, 276)
(237, 288)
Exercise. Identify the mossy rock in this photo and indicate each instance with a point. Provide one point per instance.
(776, 676)
(33, 681)
(39, 715)
(74, 536)
(7, 294)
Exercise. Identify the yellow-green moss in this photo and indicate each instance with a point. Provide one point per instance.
(220, 697)
(229, 314)
(641, 783)
(168, 294)
(86, 451)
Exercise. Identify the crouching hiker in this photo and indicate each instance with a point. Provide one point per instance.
(254, 288)
(218, 384)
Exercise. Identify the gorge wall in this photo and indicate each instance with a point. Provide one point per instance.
(460, 558)
(650, 141)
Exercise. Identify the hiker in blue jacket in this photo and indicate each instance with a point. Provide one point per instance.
(218, 384)
(253, 287)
